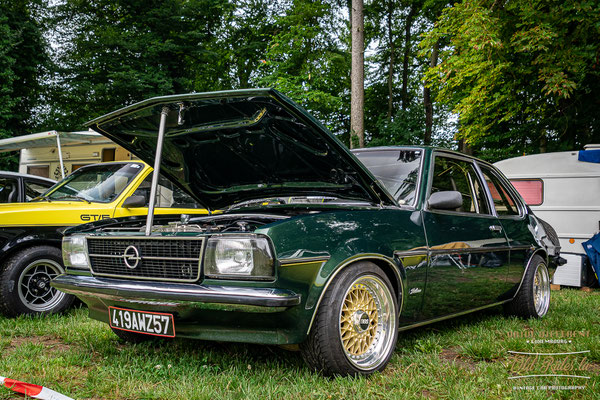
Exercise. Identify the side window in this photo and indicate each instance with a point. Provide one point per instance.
(450, 174)
(504, 202)
(35, 189)
(167, 194)
(9, 190)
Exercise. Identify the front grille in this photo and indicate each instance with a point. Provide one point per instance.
(168, 259)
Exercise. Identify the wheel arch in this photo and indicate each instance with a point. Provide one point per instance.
(20, 243)
(390, 268)
(537, 252)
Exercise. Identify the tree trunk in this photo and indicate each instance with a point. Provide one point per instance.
(405, 61)
(390, 82)
(427, 98)
(357, 94)
(543, 142)
(464, 148)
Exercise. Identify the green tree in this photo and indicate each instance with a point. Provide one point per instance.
(24, 63)
(112, 53)
(308, 59)
(523, 76)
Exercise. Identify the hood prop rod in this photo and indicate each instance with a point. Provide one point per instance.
(156, 172)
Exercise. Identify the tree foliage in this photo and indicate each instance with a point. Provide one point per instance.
(113, 53)
(24, 63)
(523, 75)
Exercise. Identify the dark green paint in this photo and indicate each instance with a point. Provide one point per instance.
(405, 242)
(228, 147)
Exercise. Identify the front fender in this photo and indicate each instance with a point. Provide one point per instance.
(13, 239)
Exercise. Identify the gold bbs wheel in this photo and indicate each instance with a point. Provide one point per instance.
(367, 322)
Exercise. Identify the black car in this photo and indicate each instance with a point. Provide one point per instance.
(19, 188)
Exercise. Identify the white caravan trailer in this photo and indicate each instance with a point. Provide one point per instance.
(565, 192)
(55, 154)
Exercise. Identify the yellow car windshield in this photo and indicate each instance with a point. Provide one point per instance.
(100, 183)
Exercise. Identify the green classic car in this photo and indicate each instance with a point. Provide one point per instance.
(306, 243)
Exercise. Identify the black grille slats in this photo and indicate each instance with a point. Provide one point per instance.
(161, 259)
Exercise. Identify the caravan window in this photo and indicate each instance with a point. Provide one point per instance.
(532, 190)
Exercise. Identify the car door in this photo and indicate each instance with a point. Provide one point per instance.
(468, 251)
(511, 213)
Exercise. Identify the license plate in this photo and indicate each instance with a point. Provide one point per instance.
(147, 322)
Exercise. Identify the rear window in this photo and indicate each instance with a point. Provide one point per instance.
(532, 190)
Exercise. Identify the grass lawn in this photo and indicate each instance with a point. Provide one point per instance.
(464, 358)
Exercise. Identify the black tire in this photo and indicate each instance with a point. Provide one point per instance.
(25, 283)
(350, 336)
(133, 337)
(533, 298)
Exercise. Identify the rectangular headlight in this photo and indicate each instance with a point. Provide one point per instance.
(74, 252)
(239, 257)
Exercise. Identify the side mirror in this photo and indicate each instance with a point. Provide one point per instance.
(134, 202)
(447, 200)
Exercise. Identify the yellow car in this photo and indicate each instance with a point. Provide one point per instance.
(31, 233)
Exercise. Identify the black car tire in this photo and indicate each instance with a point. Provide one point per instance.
(25, 283)
(533, 298)
(356, 325)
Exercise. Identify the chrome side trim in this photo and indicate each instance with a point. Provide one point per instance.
(469, 250)
(349, 262)
(526, 269)
(410, 253)
(458, 314)
(301, 260)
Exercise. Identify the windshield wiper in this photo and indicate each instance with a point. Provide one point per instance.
(307, 200)
(42, 198)
(269, 201)
(74, 197)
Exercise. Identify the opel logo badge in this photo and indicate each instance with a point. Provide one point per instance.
(131, 256)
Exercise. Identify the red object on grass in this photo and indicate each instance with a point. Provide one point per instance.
(26, 388)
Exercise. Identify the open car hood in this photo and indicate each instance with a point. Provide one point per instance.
(233, 146)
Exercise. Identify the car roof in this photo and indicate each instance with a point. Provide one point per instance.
(28, 176)
(425, 148)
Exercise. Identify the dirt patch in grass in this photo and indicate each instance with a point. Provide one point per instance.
(451, 356)
(50, 343)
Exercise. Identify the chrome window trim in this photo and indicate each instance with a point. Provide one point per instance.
(414, 203)
(510, 189)
(460, 157)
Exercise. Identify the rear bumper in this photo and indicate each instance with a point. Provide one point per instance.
(171, 294)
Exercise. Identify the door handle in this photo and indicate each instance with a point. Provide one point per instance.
(495, 228)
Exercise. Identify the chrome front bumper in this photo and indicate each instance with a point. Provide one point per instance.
(121, 290)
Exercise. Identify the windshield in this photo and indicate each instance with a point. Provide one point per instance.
(397, 169)
(100, 183)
